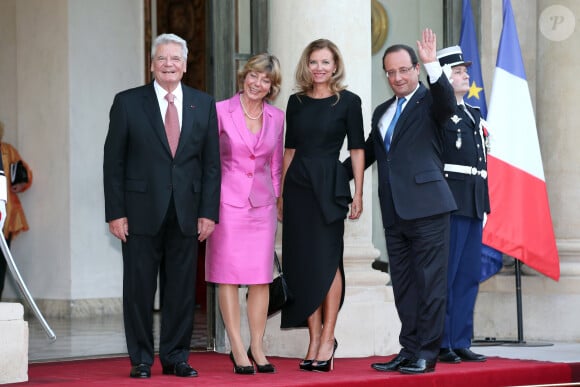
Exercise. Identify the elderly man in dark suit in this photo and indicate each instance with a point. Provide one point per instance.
(406, 143)
(162, 186)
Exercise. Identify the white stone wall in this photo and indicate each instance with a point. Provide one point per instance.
(64, 62)
(107, 55)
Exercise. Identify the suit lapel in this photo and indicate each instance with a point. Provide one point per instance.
(190, 106)
(239, 120)
(469, 116)
(188, 116)
(151, 109)
(266, 118)
(378, 138)
(413, 104)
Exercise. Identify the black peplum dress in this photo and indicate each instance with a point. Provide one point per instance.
(316, 197)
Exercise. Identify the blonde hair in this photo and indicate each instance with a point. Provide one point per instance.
(304, 81)
(263, 63)
(1, 130)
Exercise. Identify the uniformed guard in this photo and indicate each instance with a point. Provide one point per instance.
(466, 143)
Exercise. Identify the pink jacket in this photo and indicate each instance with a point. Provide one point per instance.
(249, 173)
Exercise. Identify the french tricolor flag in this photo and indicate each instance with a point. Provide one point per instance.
(520, 224)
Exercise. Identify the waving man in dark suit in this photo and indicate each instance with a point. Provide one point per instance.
(162, 186)
(415, 198)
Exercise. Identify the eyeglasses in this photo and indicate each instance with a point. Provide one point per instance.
(171, 59)
(403, 71)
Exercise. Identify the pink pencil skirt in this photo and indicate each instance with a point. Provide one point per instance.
(241, 248)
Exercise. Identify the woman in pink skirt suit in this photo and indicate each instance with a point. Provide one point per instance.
(241, 249)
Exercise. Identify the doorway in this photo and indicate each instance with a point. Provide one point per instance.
(220, 39)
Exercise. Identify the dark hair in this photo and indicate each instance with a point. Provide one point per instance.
(401, 47)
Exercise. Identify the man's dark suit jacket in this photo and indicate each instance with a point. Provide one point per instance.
(410, 176)
(140, 174)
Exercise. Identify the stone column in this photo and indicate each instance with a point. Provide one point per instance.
(64, 91)
(368, 323)
(549, 39)
(13, 344)
(557, 121)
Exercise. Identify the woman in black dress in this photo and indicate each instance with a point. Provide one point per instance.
(316, 195)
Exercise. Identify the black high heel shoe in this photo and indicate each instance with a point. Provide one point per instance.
(267, 368)
(243, 370)
(325, 365)
(306, 365)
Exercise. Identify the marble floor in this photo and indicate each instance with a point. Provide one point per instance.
(104, 337)
(95, 337)
(543, 351)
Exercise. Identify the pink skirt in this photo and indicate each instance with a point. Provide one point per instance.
(241, 248)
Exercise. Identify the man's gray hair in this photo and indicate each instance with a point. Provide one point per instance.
(169, 38)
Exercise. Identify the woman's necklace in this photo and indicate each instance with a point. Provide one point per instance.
(248, 114)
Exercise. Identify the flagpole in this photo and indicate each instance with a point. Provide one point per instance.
(519, 309)
(520, 342)
(518, 266)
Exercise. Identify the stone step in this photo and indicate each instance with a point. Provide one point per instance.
(13, 344)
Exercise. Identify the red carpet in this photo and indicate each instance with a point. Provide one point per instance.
(216, 370)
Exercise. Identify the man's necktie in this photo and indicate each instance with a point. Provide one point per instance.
(172, 124)
(391, 128)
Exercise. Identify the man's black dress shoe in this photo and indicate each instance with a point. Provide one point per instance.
(419, 366)
(467, 354)
(141, 371)
(392, 365)
(181, 369)
(446, 355)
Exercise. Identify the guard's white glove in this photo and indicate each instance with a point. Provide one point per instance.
(484, 220)
(2, 214)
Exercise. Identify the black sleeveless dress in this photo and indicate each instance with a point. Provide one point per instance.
(316, 197)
